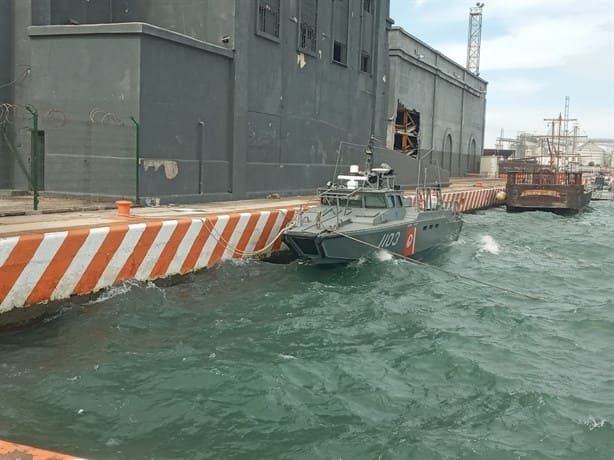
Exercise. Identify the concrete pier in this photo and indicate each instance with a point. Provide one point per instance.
(53, 256)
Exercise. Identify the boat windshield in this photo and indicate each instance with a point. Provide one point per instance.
(351, 202)
(375, 200)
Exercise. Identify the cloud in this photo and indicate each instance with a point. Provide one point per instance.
(517, 86)
(526, 34)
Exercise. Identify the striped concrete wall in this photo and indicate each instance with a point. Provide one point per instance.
(53, 266)
(37, 268)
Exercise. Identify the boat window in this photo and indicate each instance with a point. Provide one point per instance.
(374, 201)
(430, 226)
(390, 201)
(424, 228)
(399, 201)
(436, 225)
(354, 202)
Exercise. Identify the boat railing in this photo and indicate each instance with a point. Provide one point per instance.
(429, 197)
(544, 178)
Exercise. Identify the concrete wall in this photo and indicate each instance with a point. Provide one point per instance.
(6, 85)
(451, 102)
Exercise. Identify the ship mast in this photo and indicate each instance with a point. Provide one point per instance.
(554, 145)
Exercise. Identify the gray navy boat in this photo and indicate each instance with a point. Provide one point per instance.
(365, 211)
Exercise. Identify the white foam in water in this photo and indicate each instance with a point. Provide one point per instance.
(489, 245)
(383, 256)
(594, 423)
(281, 355)
(113, 292)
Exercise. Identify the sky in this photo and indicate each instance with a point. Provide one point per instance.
(534, 53)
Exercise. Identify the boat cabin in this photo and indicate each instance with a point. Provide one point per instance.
(374, 189)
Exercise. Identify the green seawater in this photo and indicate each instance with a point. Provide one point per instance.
(381, 359)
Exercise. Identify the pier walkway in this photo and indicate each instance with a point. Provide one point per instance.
(73, 248)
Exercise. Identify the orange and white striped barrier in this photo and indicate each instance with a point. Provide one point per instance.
(12, 451)
(53, 266)
(471, 200)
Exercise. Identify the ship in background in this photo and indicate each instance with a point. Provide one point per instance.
(555, 187)
(602, 188)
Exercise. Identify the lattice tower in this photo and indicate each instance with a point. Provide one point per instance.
(475, 38)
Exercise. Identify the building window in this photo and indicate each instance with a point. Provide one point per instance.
(268, 18)
(365, 62)
(340, 53)
(367, 5)
(340, 31)
(308, 26)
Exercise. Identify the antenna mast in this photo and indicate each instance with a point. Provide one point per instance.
(566, 123)
(475, 38)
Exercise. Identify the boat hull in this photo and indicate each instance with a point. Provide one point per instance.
(407, 239)
(558, 198)
(602, 195)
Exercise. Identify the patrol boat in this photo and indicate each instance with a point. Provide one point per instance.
(365, 211)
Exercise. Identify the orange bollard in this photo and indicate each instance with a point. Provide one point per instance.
(123, 207)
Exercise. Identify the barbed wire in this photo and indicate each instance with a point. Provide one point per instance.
(106, 118)
(8, 113)
(23, 76)
(55, 117)
(5, 113)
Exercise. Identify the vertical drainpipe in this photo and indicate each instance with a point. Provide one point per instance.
(34, 166)
(138, 160)
(200, 156)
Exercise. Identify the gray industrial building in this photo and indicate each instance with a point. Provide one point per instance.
(437, 106)
(189, 101)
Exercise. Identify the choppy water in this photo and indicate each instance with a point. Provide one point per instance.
(379, 360)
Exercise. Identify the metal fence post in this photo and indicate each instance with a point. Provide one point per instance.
(34, 167)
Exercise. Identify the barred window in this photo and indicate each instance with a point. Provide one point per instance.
(268, 18)
(365, 62)
(308, 26)
(340, 31)
(340, 53)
